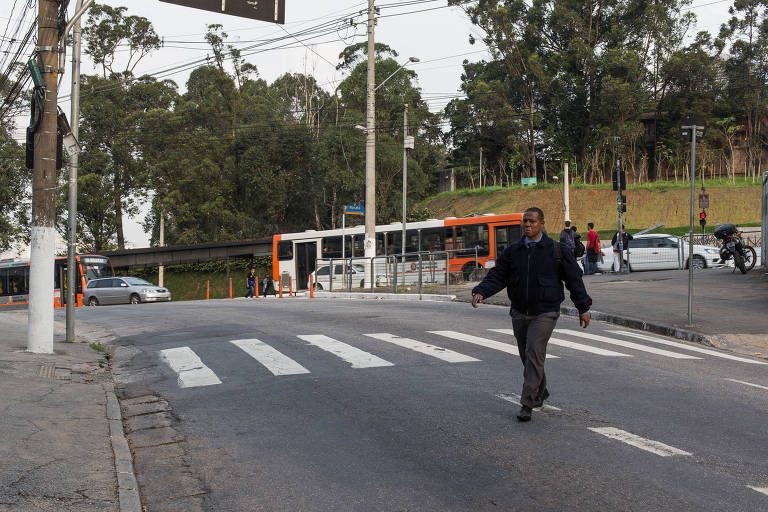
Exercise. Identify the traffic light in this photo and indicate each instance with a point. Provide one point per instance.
(623, 205)
(703, 218)
(619, 175)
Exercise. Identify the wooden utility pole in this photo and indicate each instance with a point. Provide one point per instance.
(43, 233)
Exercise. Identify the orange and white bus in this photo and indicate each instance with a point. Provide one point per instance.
(14, 278)
(469, 242)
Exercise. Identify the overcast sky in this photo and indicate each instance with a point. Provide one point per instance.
(426, 29)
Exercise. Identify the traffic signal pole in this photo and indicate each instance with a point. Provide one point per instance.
(690, 234)
(43, 232)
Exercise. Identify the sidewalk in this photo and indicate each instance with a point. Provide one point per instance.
(56, 452)
(729, 309)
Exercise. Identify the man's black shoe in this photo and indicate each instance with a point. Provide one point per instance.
(524, 414)
(539, 402)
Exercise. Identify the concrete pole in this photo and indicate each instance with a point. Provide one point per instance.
(566, 193)
(74, 163)
(690, 234)
(481, 167)
(161, 267)
(370, 146)
(405, 177)
(764, 225)
(43, 233)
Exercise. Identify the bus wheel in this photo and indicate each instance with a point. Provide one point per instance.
(93, 301)
(468, 268)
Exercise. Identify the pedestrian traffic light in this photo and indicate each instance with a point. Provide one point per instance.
(623, 204)
(703, 218)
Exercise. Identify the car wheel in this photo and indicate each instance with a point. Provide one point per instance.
(468, 268)
(135, 299)
(699, 263)
(93, 301)
(318, 286)
(362, 283)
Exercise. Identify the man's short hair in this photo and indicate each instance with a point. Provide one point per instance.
(591, 225)
(573, 228)
(567, 223)
(536, 210)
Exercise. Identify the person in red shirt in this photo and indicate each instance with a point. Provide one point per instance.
(593, 250)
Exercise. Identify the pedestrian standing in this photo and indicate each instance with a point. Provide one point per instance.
(593, 250)
(533, 271)
(566, 236)
(625, 238)
(250, 283)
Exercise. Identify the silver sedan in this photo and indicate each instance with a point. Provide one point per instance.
(123, 290)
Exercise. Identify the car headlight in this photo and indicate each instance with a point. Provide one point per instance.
(146, 290)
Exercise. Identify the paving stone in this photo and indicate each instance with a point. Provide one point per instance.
(139, 400)
(145, 421)
(154, 437)
(145, 408)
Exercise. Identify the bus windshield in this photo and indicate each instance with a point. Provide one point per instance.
(95, 267)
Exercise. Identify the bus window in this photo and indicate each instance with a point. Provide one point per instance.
(332, 247)
(469, 237)
(3, 281)
(450, 244)
(285, 250)
(96, 267)
(411, 240)
(18, 281)
(380, 245)
(359, 246)
(432, 239)
(505, 235)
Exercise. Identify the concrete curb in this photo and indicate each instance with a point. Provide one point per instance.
(128, 487)
(384, 296)
(642, 325)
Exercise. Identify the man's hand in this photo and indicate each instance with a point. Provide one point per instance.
(584, 320)
(477, 299)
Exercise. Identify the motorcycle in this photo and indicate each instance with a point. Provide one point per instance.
(743, 255)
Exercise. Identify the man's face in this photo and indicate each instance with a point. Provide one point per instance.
(532, 225)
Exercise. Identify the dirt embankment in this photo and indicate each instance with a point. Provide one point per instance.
(645, 207)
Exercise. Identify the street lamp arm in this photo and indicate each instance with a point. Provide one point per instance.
(412, 59)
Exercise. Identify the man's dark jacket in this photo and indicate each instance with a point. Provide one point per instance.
(534, 280)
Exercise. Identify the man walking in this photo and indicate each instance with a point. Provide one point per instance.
(250, 283)
(533, 271)
(566, 236)
(625, 238)
(593, 250)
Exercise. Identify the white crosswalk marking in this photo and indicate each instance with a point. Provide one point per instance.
(356, 357)
(424, 348)
(748, 384)
(483, 342)
(687, 347)
(656, 447)
(191, 371)
(271, 359)
(626, 344)
(572, 345)
(515, 399)
(762, 490)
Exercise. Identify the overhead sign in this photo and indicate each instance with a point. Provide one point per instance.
(354, 209)
(272, 11)
(528, 181)
(693, 123)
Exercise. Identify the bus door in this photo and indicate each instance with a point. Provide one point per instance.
(504, 236)
(306, 257)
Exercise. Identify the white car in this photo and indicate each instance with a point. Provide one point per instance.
(322, 277)
(662, 252)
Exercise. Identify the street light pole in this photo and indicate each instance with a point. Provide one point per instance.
(370, 147)
(74, 162)
(405, 173)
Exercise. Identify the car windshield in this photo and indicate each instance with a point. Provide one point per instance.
(135, 281)
(359, 268)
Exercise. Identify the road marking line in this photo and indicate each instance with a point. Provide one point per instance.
(572, 345)
(424, 348)
(515, 399)
(748, 384)
(626, 344)
(762, 490)
(270, 358)
(656, 447)
(358, 358)
(483, 342)
(686, 347)
(190, 369)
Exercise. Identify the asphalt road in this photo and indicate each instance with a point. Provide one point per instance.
(401, 430)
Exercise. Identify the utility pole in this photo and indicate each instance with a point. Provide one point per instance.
(43, 232)
(405, 176)
(481, 167)
(74, 163)
(620, 204)
(566, 192)
(370, 147)
(161, 267)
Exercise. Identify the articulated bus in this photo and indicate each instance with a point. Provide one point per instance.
(469, 241)
(14, 278)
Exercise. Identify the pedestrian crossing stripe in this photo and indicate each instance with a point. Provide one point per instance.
(572, 345)
(648, 445)
(270, 358)
(483, 342)
(189, 368)
(353, 355)
(626, 344)
(431, 350)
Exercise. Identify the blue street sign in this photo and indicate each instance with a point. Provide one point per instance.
(354, 209)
